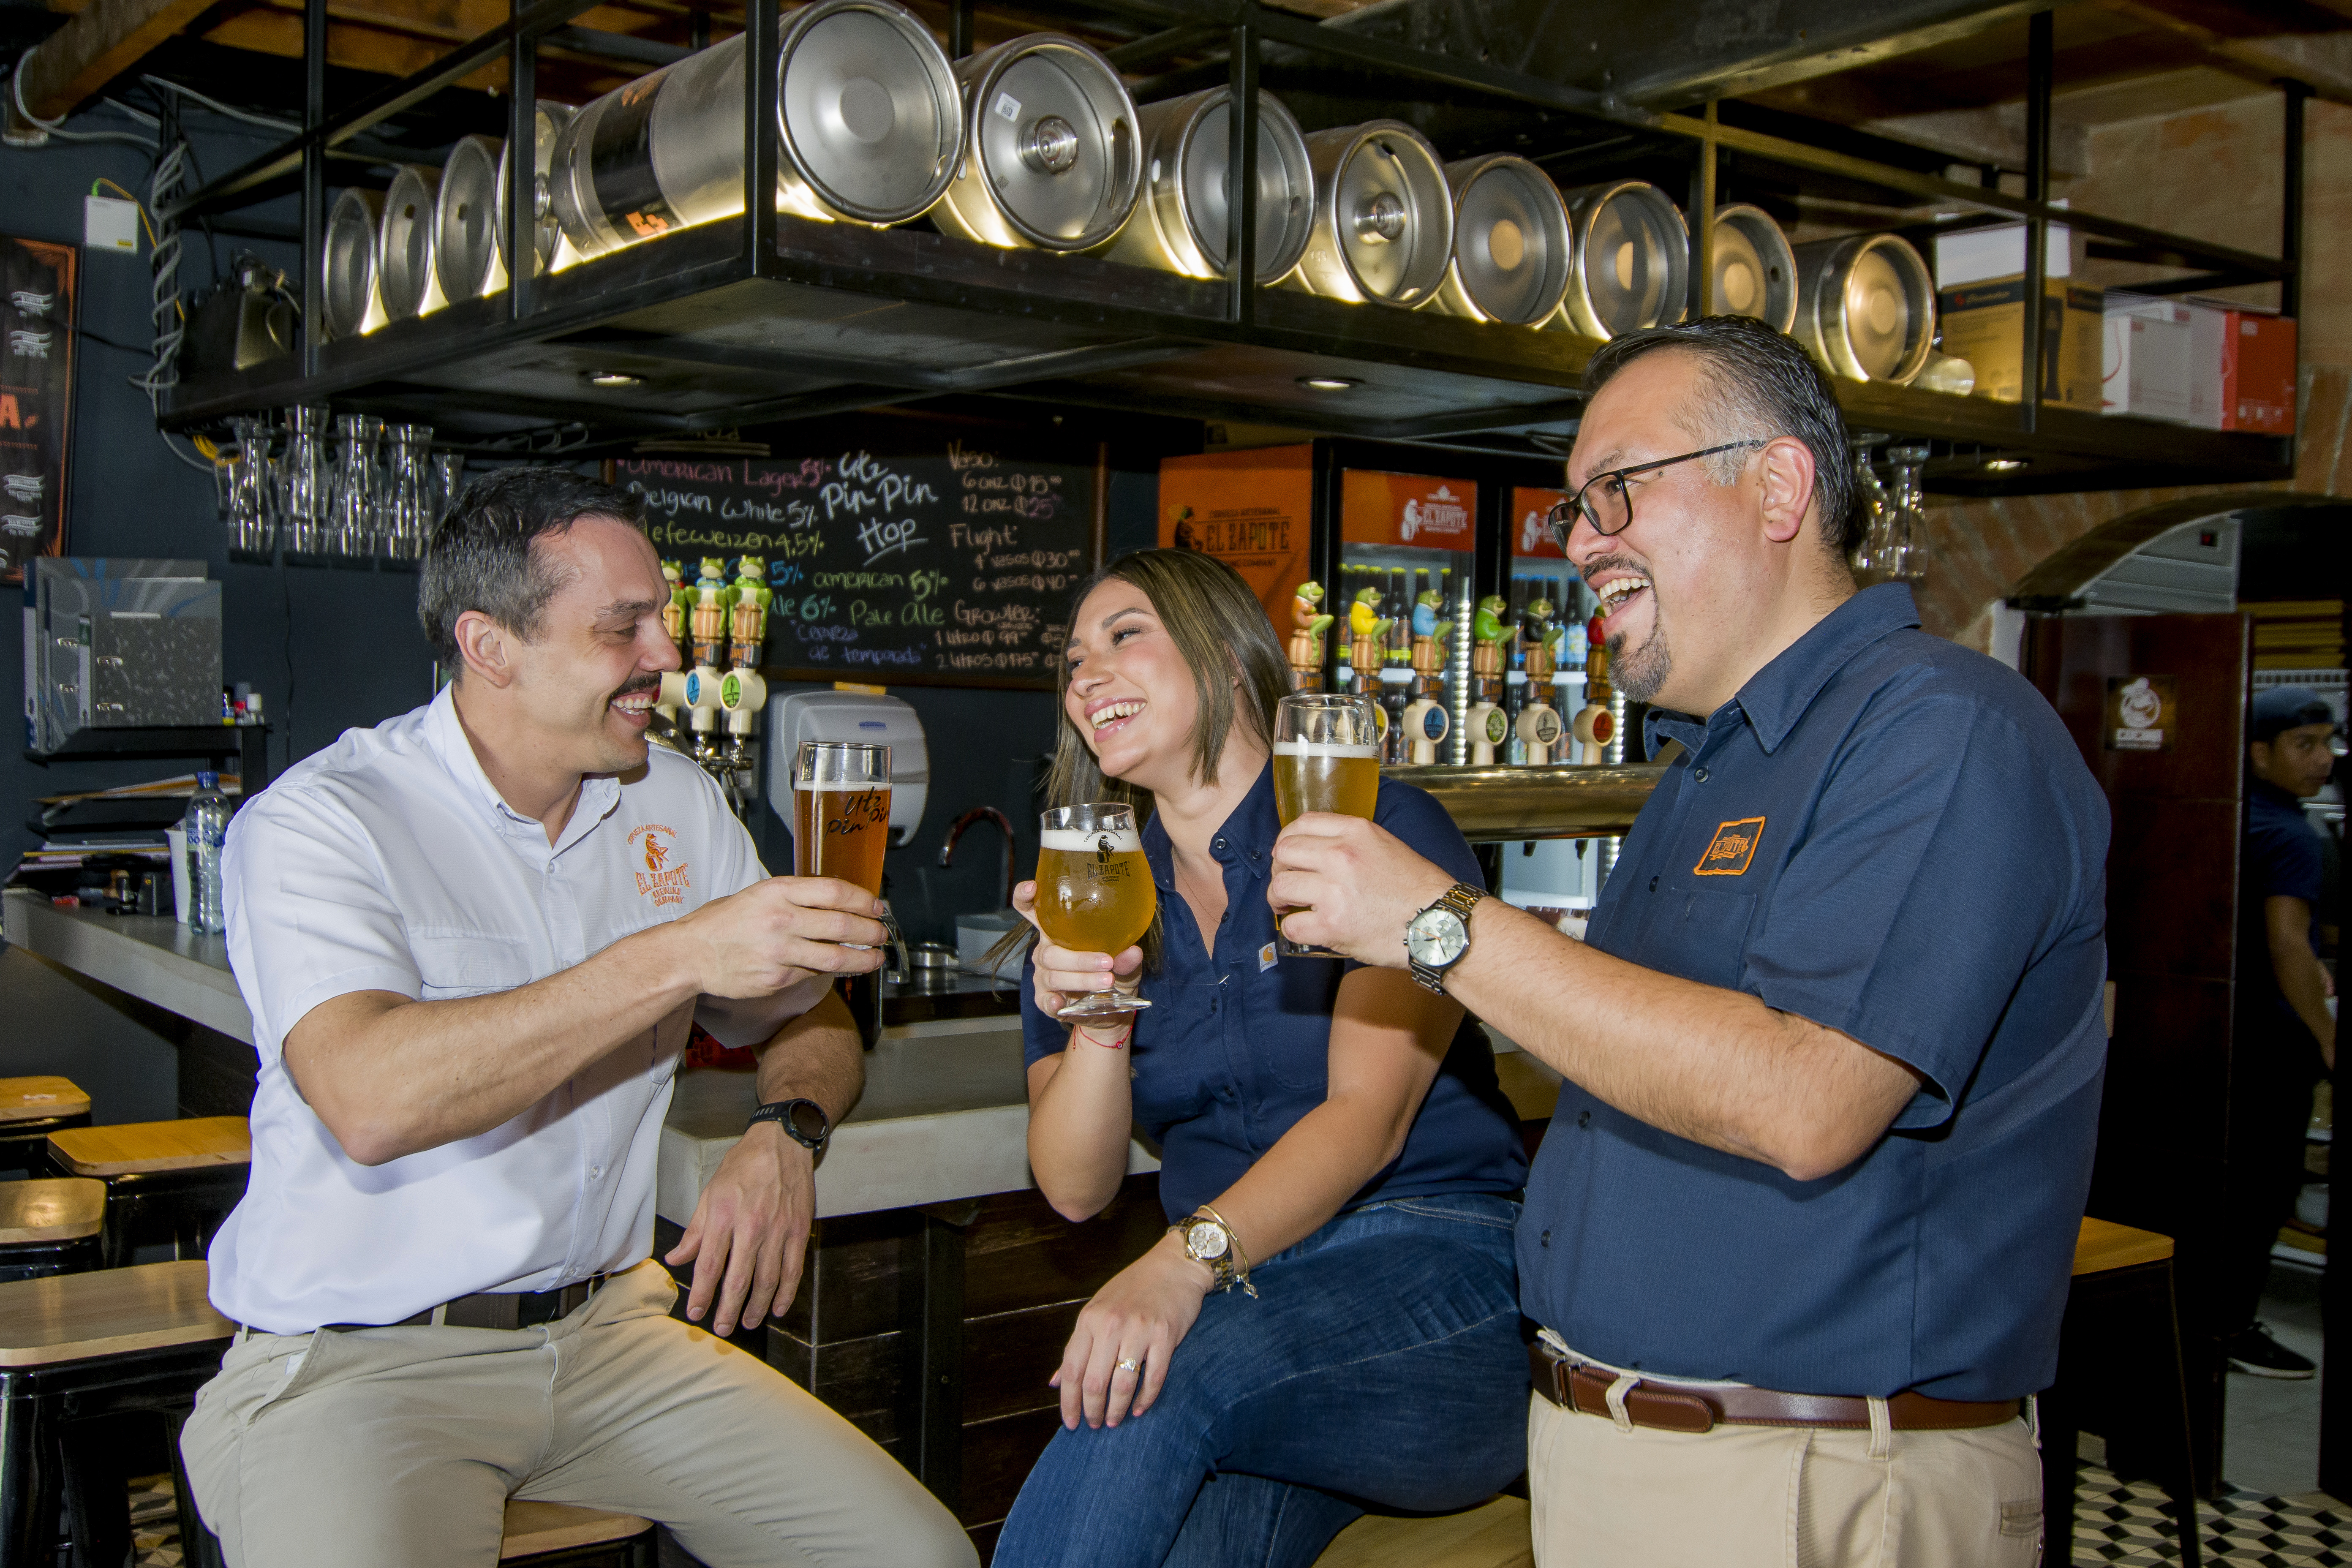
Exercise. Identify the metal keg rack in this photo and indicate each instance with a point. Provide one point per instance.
(774, 317)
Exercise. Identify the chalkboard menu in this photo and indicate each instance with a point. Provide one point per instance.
(943, 564)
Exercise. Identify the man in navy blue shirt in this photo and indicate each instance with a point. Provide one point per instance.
(2284, 1039)
(1799, 1237)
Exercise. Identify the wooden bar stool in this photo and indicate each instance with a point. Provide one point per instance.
(30, 1109)
(537, 1535)
(77, 1348)
(50, 1226)
(1492, 1535)
(2120, 1328)
(172, 1181)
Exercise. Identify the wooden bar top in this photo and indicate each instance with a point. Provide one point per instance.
(532, 1527)
(62, 1210)
(109, 1311)
(137, 1148)
(2101, 1245)
(38, 1099)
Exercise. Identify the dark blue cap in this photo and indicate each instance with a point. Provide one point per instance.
(2282, 707)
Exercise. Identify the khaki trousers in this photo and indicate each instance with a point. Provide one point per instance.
(399, 1447)
(1767, 1496)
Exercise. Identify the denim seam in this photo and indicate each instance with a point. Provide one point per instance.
(1415, 1205)
(1397, 1351)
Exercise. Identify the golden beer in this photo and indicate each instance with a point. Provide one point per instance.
(841, 831)
(1094, 890)
(1312, 776)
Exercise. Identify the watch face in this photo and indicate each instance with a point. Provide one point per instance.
(808, 1120)
(1436, 937)
(1205, 1241)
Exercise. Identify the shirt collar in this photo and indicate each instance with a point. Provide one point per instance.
(1777, 696)
(2271, 794)
(445, 737)
(1247, 833)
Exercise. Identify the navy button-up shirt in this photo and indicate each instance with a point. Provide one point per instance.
(1893, 837)
(2281, 861)
(1233, 1048)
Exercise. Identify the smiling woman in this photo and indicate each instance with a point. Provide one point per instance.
(1333, 1143)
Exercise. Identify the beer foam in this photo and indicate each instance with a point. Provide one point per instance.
(835, 787)
(1083, 841)
(1324, 749)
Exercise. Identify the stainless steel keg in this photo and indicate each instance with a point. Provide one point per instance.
(1511, 245)
(349, 304)
(466, 260)
(1866, 306)
(1181, 224)
(1632, 269)
(404, 243)
(1755, 272)
(1383, 215)
(548, 120)
(1051, 158)
(868, 124)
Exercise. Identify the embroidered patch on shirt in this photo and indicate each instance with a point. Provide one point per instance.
(1266, 957)
(1732, 849)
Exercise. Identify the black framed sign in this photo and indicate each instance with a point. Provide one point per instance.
(37, 300)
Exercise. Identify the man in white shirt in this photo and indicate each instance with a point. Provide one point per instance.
(473, 940)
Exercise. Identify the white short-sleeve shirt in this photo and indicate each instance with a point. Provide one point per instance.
(388, 862)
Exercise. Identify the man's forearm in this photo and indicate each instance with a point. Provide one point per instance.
(817, 1055)
(392, 1077)
(2304, 986)
(1714, 1066)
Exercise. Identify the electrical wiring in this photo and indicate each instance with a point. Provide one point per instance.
(57, 127)
(284, 127)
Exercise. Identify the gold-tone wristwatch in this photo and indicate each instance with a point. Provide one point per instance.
(1208, 1240)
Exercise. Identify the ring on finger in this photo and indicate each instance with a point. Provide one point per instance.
(1128, 1363)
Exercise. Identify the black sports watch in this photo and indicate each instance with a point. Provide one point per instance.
(804, 1121)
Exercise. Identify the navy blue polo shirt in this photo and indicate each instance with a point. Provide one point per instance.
(1233, 1048)
(1893, 837)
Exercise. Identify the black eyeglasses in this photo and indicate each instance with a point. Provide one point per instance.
(1607, 504)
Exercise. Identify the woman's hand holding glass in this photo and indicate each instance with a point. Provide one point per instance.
(1062, 974)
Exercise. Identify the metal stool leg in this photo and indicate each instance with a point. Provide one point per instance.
(2183, 1483)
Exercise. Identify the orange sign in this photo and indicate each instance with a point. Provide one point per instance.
(1407, 508)
(1251, 510)
(1530, 511)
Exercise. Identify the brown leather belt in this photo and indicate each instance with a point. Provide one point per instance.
(496, 1309)
(1668, 1408)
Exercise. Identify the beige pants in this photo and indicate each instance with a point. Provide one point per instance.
(1764, 1496)
(399, 1447)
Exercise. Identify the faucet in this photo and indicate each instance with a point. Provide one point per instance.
(980, 814)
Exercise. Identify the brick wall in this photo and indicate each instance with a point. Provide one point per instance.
(2211, 173)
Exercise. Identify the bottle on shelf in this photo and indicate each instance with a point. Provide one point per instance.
(206, 823)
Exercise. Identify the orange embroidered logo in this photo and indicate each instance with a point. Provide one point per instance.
(1732, 849)
(660, 881)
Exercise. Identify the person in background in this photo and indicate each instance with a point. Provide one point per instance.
(1332, 1140)
(2284, 1035)
(474, 940)
(1799, 1235)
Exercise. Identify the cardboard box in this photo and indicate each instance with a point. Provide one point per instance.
(1984, 323)
(1985, 255)
(2241, 362)
(2145, 362)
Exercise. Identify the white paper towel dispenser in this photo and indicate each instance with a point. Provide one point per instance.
(797, 715)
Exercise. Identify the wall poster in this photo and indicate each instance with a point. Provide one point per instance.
(1252, 509)
(37, 356)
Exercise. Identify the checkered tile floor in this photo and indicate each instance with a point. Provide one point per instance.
(2128, 1523)
(154, 1524)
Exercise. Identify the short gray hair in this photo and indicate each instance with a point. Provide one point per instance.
(481, 556)
(1764, 385)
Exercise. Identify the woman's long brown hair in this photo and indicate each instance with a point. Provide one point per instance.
(1240, 674)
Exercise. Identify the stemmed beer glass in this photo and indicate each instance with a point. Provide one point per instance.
(1095, 893)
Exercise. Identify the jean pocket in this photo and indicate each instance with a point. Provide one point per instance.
(1489, 1209)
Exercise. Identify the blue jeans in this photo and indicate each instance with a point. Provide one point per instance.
(1381, 1364)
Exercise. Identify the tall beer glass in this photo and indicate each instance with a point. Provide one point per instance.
(1094, 892)
(1326, 757)
(841, 813)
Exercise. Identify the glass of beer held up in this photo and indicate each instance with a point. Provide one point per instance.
(1326, 757)
(841, 812)
(1094, 892)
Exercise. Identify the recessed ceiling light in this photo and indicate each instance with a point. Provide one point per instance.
(2003, 465)
(1329, 382)
(612, 378)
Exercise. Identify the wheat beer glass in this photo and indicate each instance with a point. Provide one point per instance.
(841, 813)
(1326, 757)
(1094, 892)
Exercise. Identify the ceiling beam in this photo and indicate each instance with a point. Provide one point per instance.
(2322, 61)
(99, 43)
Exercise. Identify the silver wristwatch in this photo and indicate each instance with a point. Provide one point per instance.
(1436, 938)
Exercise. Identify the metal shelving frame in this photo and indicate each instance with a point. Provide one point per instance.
(1080, 331)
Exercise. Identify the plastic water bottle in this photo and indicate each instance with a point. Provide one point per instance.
(206, 823)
